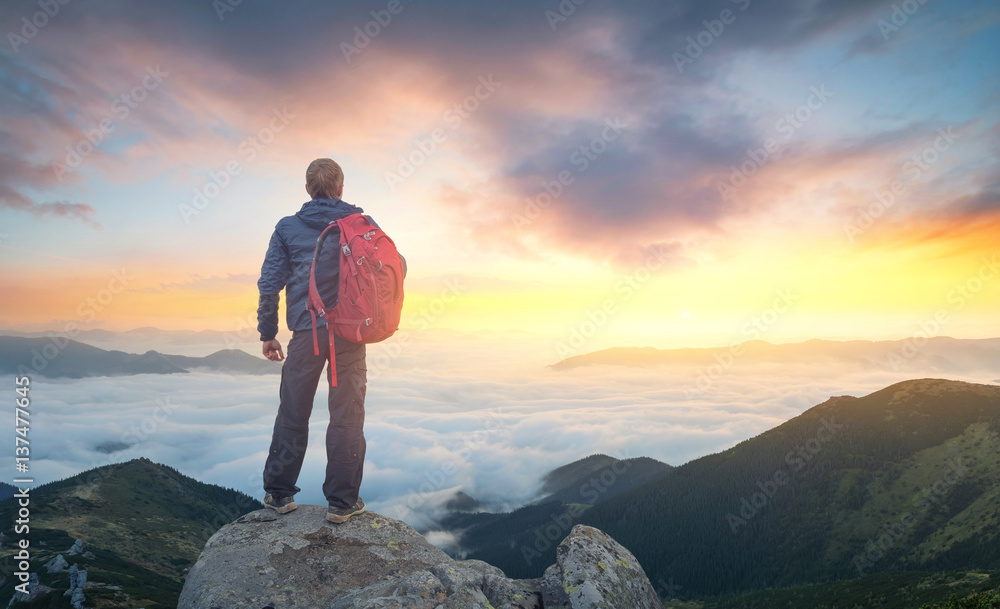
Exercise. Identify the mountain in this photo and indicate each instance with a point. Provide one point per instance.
(942, 354)
(143, 524)
(904, 479)
(56, 357)
(462, 502)
(510, 540)
(232, 361)
(598, 478)
(243, 336)
(564, 476)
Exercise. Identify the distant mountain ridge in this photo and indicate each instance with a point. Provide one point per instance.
(145, 332)
(941, 353)
(55, 357)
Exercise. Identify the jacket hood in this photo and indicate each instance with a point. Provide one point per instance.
(320, 212)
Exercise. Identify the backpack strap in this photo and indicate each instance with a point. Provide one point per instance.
(333, 356)
(316, 306)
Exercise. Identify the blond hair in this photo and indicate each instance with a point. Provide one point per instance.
(324, 179)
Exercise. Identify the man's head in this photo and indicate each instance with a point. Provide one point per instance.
(325, 179)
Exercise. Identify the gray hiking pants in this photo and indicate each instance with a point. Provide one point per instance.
(345, 439)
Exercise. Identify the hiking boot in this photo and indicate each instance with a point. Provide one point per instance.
(340, 515)
(282, 505)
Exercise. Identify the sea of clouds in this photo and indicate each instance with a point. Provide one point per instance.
(480, 414)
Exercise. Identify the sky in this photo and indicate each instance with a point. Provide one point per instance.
(562, 176)
(592, 173)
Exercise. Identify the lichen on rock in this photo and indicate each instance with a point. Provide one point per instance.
(299, 560)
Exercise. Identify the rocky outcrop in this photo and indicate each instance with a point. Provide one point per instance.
(35, 589)
(299, 560)
(77, 582)
(593, 570)
(56, 565)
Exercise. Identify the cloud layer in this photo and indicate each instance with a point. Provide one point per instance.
(433, 430)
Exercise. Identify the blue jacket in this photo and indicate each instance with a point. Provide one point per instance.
(287, 263)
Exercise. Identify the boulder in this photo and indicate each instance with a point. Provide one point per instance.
(593, 571)
(299, 560)
(56, 565)
(35, 590)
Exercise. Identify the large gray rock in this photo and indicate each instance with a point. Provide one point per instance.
(35, 590)
(56, 565)
(593, 571)
(299, 560)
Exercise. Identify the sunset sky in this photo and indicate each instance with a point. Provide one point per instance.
(666, 174)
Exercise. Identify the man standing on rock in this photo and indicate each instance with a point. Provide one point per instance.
(286, 266)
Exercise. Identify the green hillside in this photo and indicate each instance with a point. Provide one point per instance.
(906, 479)
(903, 479)
(144, 524)
(906, 590)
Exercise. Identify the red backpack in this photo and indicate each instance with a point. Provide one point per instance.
(370, 294)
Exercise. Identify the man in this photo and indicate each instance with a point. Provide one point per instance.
(286, 265)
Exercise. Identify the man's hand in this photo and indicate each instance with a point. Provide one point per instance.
(272, 350)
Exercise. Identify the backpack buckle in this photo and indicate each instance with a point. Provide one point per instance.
(347, 250)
